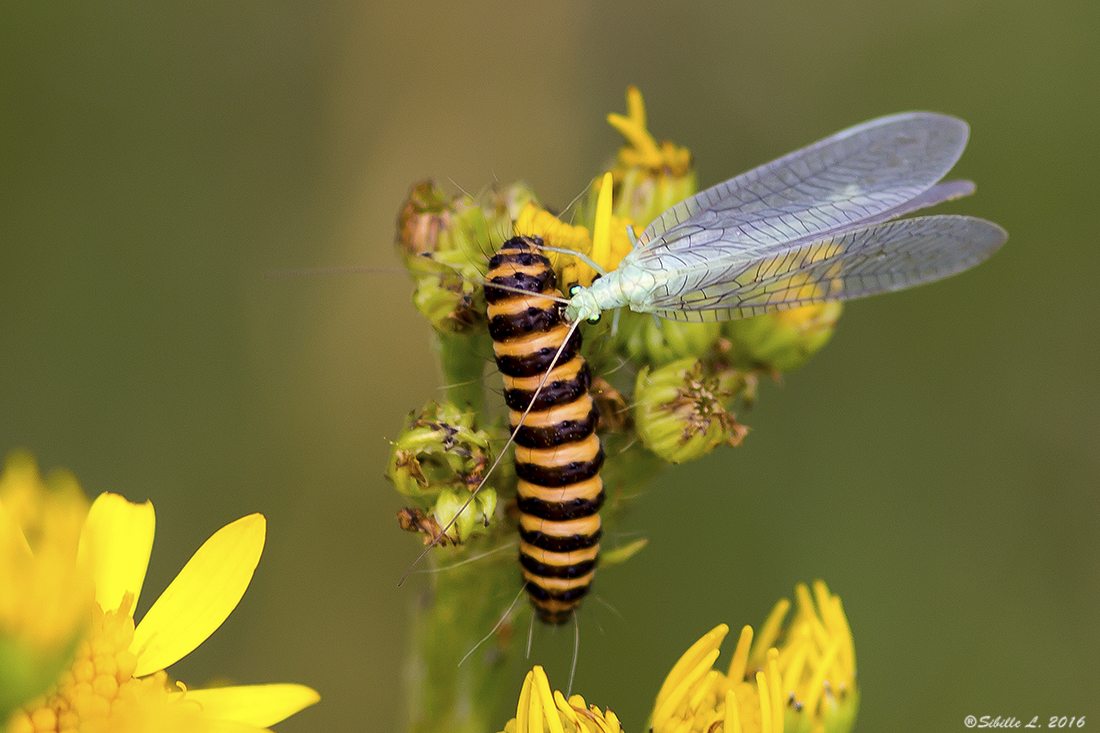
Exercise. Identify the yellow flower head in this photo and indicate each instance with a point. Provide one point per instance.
(606, 246)
(543, 711)
(536, 222)
(799, 678)
(117, 681)
(650, 177)
(45, 593)
(642, 150)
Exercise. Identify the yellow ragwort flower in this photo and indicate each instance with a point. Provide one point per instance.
(543, 711)
(801, 678)
(536, 222)
(650, 177)
(117, 681)
(643, 150)
(606, 246)
(45, 594)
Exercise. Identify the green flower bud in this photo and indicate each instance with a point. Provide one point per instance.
(438, 459)
(445, 244)
(506, 203)
(444, 446)
(468, 517)
(784, 340)
(447, 302)
(682, 412)
(430, 230)
(656, 342)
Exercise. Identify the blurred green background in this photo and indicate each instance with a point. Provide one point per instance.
(938, 464)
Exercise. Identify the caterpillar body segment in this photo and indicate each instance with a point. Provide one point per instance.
(558, 455)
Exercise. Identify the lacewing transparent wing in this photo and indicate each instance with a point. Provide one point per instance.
(813, 226)
(852, 264)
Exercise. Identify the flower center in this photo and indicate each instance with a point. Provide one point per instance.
(98, 685)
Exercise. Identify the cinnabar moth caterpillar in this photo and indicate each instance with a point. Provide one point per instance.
(558, 455)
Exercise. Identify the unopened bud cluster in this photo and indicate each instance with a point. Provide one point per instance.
(437, 460)
(445, 242)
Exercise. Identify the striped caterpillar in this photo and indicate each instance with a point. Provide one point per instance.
(558, 455)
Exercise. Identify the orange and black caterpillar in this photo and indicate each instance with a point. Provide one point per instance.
(558, 455)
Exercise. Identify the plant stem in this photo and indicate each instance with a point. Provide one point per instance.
(463, 359)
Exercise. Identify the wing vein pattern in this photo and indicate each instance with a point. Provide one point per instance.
(847, 178)
(853, 264)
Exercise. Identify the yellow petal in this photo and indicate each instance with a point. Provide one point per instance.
(645, 146)
(117, 539)
(567, 710)
(201, 597)
(769, 632)
(523, 708)
(764, 692)
(601, 229)
(739, 663)
(13, 543)
(546, 700)
(259, 705)
(534, 712)
(667, 707)
(635, 105)
(690, 663)
(774, 689)
(206, 726)
(733, 713)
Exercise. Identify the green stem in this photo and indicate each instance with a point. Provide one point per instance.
(450, 621)
(465, 601)
(463, 359)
